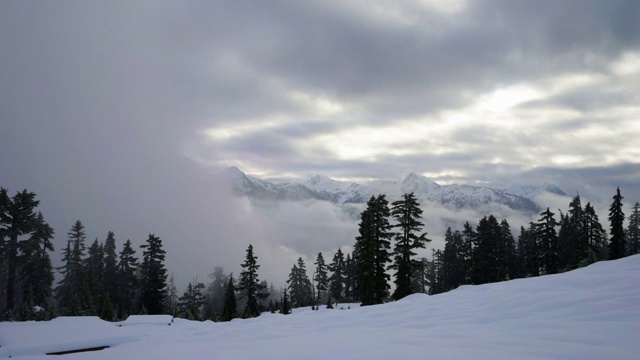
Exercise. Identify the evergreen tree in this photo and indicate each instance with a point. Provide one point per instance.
(153, 275)
(249, 285)
(215, 292)
(528, 252)
(192, 301)
(509, 258)
(372, 247)
(110, 266)
(617, 244)
(633, 231)
(108, 313)
(230, 307)
(37, 271)
(321, 278)
(548, 242)
(407, 214)
(171, 300)
(286, 307)
(127, 281)
(350, 287)
(299, 285)
(453, 264)
(72, 294)
(93, 281)
(469, 245)
(17, 218)
(573, 247)
(594, 235)
(336, 279)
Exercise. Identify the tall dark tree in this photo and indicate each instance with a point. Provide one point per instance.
(508, 258)
(299, 285)
(469, 244)
(350, 284)
(528, 253)
(633, 231)
(286, 306)
(37, 271)
(127, 281)
(487, 251)
(407, 214)
(110, 267)
(593, 236)
(230, 307)
(617, 243)
(17, 218)
(573, 247)
(72, 294)
(548, 242)
(171, 299)
(321, 278)
(336, 280)
(153, 275)
(249, 285)
(453, 264)
(191, 302)
(93, 281)
(215, 292)
(373, 249)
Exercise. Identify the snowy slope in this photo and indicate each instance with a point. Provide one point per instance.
(341, 192)
(590, 313)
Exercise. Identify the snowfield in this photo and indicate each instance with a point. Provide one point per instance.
(590, 313)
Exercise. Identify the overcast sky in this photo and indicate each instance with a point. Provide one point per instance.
(117, 113)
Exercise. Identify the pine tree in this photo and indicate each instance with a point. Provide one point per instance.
(573, 248)
(37, 271)
(286, 306)
(350, 287)
(230, 307)
(548, 242)
(171, 300)
(299, 285)
(528, 252)
(153, 275)
(321, 278)
(93, 281)
(127, 281)
(336, 280)
(594, 235)
(110, 266)
(191, 302)
(215, 292)
(617, 244)
(72, 294)
(453, 265)
(633, 231)
(407, 214)
(17, 218)
(249, 285)
(372, 247)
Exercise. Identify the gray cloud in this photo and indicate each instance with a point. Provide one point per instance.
(103, 107)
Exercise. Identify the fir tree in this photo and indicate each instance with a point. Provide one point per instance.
(617, 244)
(321, 278)
(230, 307)
(372, 247)
(249, 285)
(633, 231)
(594, 235)
(215, 292)
(453, 264)
(191, 302)
(548, 242)
(153, 275)
(407, 214)
(299, 285)
(17, 218)
(286, 306)
(127, 281)
(110, 266)
(336, 280)
(72, 294)
(171, 300)
(93, 280)
(37, 271)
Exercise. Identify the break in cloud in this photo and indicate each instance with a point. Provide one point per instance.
(118, 112)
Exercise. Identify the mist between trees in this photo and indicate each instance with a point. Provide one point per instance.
(99, 280)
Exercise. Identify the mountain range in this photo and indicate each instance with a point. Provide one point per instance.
(520, 197)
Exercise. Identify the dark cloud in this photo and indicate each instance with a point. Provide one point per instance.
(103, 107)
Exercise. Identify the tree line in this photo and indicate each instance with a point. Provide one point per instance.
(98, 280)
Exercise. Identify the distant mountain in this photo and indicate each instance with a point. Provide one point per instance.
(521, 198)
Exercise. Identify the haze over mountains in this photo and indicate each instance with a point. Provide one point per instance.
(521, 198)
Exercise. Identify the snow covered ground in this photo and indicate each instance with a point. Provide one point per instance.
(590, 313)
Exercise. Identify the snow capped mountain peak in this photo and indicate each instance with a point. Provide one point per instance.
(321, 187)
